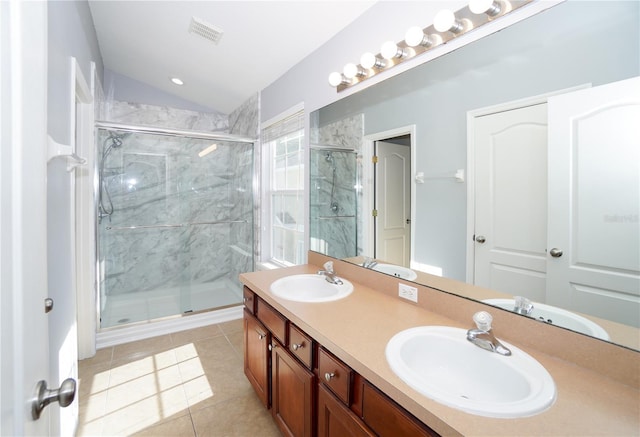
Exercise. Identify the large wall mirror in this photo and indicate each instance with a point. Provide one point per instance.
(457, 141)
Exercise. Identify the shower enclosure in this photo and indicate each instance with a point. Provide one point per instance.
(175, 222)
(333, 202)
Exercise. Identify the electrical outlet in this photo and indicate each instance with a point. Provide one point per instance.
(408, 292)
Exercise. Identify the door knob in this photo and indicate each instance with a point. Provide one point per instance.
(64, 396)
(555, 252)
(480, 239)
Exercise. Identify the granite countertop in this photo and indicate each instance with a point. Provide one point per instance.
(357, 328)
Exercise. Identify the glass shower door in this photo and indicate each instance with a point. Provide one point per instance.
(175, 224)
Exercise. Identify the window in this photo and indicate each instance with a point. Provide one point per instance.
(283, 145)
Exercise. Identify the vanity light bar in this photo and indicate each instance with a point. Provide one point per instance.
(478, 13)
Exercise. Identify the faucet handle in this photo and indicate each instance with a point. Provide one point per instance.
(522, 305)
(328, 266)
(483, 320)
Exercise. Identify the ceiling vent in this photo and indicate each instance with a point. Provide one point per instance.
(205, 30)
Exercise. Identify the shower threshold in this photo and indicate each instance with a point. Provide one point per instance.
(145, 306)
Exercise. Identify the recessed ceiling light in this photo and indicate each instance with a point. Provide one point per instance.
(176, 80)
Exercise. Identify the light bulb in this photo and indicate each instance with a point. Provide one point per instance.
(352, 70)
(416, 37)
(489, 7)
(369, 60)
(336, 79)
(445, 21)
(390, 50)
(176, 80)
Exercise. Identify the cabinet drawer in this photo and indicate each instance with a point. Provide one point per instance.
(335, 374)
(273, 320)
(301, 345)
(249, 300)
(386, 418)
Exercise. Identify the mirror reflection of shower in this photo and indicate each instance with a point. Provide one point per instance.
(333, 205)
(334, 202)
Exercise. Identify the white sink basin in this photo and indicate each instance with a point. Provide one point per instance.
(440, 363)
(557, 316)
(397, 271)
(310, 288)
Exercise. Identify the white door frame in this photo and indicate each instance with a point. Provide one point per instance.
(84, 212)
(471, 173)
(368, 187)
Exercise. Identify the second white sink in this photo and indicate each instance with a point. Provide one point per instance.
(310, 288)
(439, 362)
(397, 271)
(556, 316)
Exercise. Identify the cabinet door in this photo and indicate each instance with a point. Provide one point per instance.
(336, 420)
(387, 418)
(256, 356)
(292, 385)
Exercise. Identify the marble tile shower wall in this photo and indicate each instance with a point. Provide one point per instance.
(165, 116)
(335, 204)
(154, 180)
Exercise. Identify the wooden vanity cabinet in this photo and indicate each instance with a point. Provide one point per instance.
(280, 370)
(292, 393)
(256, 356)
(281, 362)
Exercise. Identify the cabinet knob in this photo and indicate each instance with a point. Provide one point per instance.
(261, 335)
(297, 346)
(272, 346)
(328, 376)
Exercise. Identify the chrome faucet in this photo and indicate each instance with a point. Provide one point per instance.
(329, 274)
(522, 305)
(369, 263)
(482, 335)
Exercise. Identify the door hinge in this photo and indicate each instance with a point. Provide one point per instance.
(374, 159)
(374, 213)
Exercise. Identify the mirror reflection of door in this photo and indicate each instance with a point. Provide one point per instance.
(511, 201)
(584, 257)
(392, 216)
(594, 151)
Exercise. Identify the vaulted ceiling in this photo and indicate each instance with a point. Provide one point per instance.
(150, 41)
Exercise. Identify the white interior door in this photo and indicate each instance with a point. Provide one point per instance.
(393, 203)
(24, 351)
(594, 193)
(511, 201)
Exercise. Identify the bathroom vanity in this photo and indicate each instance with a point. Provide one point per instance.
(321, 368)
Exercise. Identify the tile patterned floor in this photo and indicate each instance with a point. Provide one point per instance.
(189, 383)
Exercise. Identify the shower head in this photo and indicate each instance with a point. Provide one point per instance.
(116, 138)
(116, 142)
